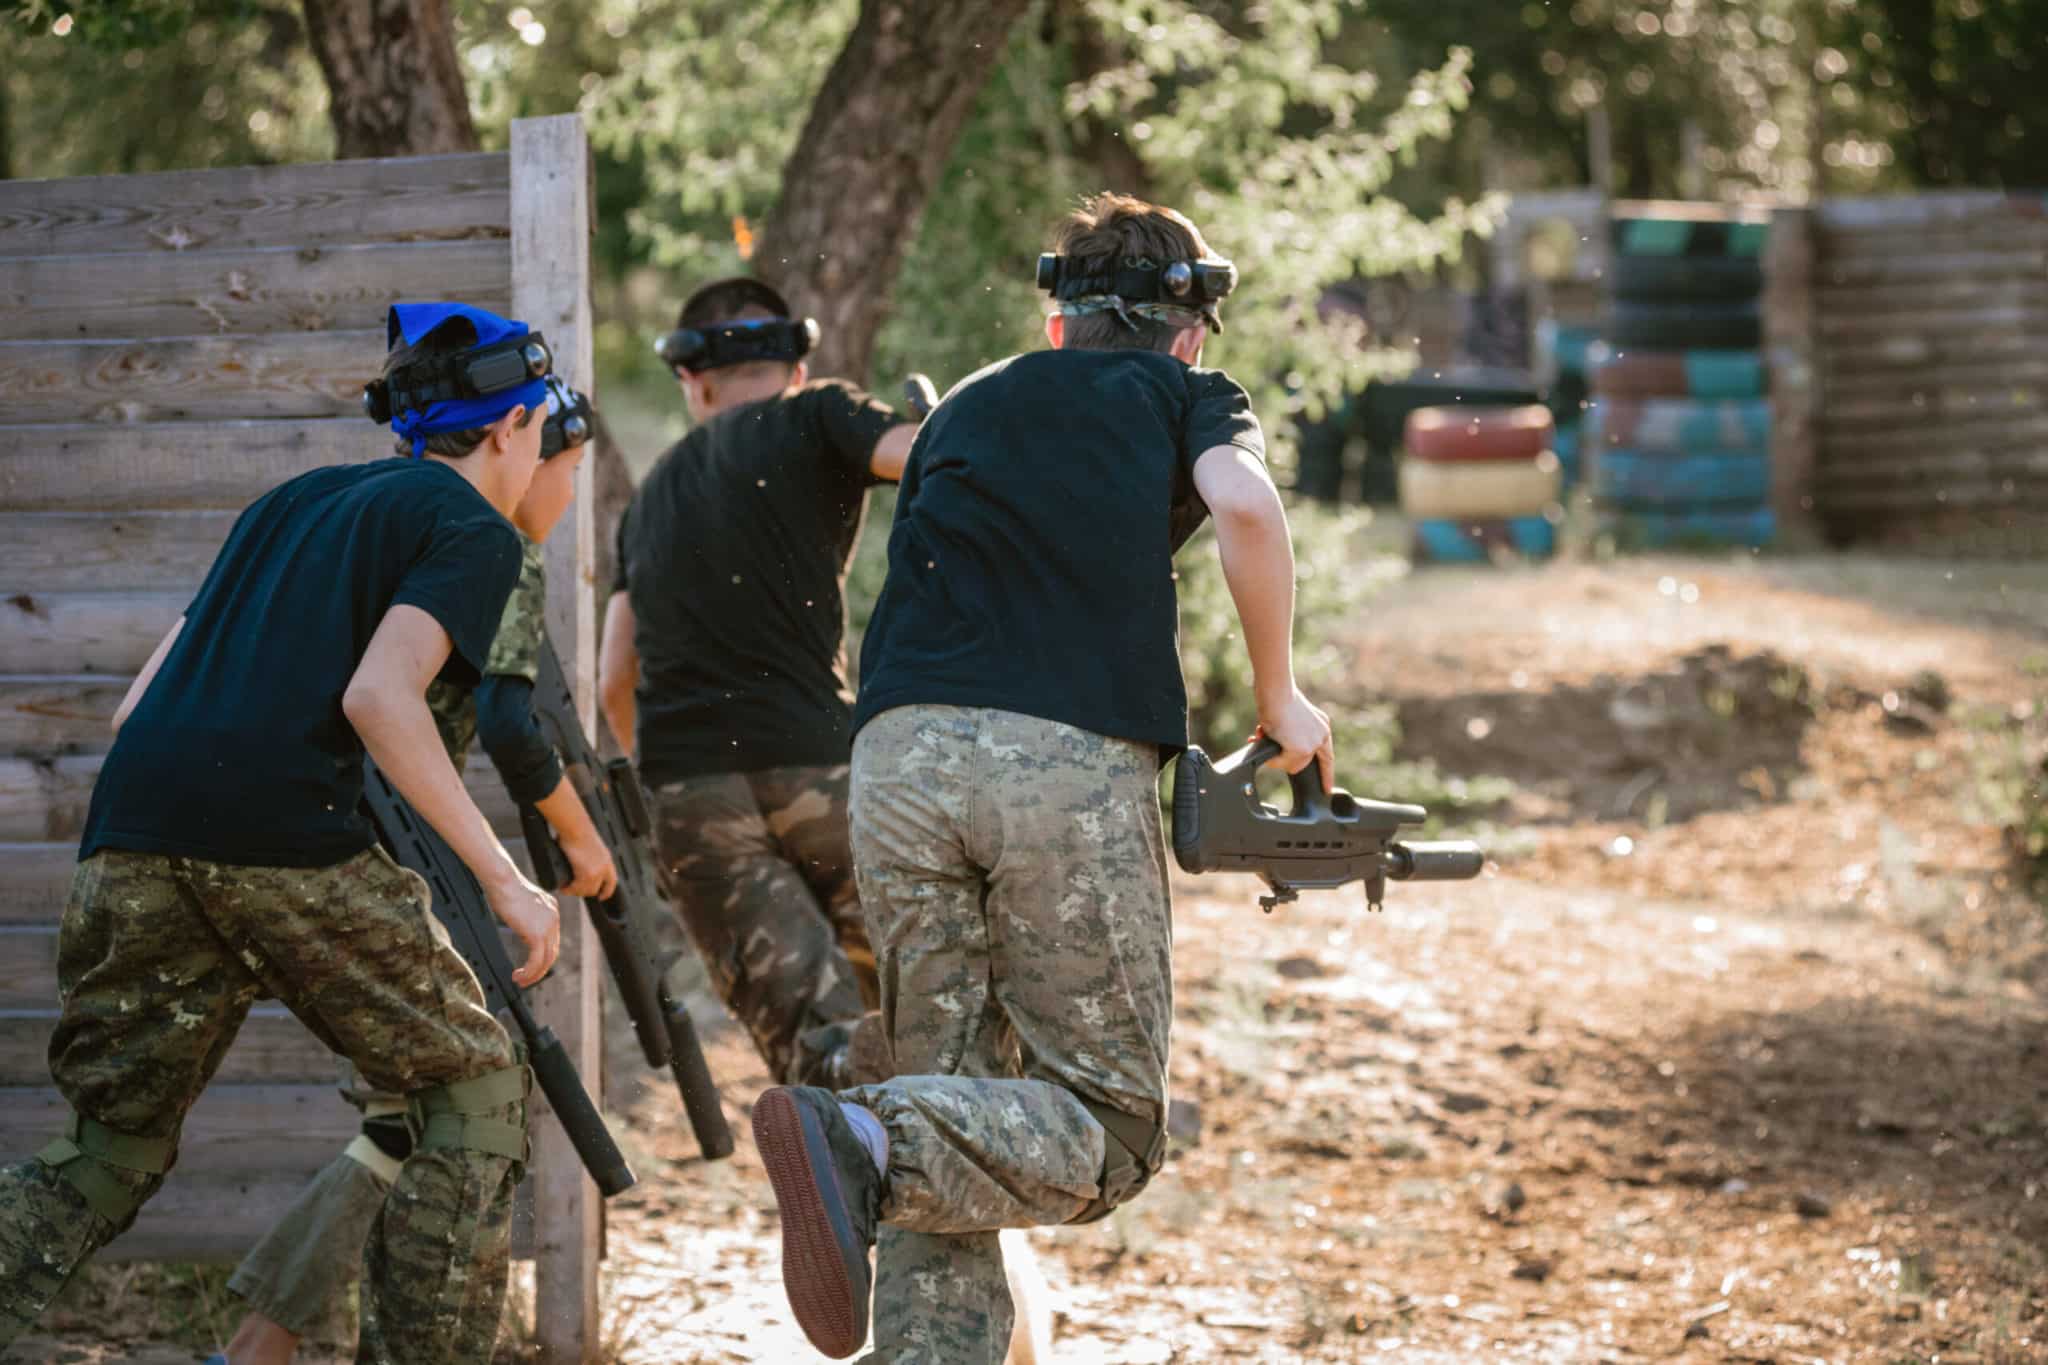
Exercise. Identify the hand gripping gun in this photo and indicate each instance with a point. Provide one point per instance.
(611, 793)
(1221, 825)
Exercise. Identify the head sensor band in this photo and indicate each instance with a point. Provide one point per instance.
(698, 349)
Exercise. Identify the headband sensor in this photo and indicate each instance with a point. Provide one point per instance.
(479, 373)
(1141, 283)
(697, 349)
(568, 421)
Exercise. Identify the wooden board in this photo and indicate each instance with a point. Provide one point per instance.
(1991, 432)
(236, 1130)
(272, 1049)
(402, 199)
(172, 466)
(43, 800)
(34, 878)
(44, 717)
(1992, 265)
(87, 632)
(108, 552)
(283, 374)
(1914, 353)
(253, 290)
(1908, 212)
(1949, 293)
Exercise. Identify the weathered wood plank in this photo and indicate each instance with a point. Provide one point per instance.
(108, 552)
(1956, 386)
(1949, 493)
(45, 799)
(1938, 465)
(34, 878)
(87, 632)
(1933, 293)
(272, 1049)
(1991, 266)
(403, 199)
(551, 218)
(1907, 212)
(233, 1130)
(1988, 433)
(172, 466)
(268, 289)
(1918, 352)
(284, 374)
(1928, 414)
(46, 716)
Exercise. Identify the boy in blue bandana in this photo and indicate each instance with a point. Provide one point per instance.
(224, 858)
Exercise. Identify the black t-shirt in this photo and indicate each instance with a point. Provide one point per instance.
(734, 555)
(1031, 563)
(239, 752)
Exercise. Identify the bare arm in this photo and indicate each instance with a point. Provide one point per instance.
(592, 872)
(386, 703)
(1258, 564)
(147, 675)
(618, 670)
(892, 450)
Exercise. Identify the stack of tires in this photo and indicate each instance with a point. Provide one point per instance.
(1477, 482)
(1563, 358)
(1680, 425)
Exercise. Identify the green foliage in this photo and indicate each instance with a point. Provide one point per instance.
(2010, 762)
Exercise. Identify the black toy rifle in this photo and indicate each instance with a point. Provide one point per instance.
(1220, 825)
(611, 793)
(460, 904)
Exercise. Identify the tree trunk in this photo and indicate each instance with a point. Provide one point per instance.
(394, 85)
(879, 134)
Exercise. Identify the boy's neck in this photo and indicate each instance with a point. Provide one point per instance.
(743, 391)
(472, 469)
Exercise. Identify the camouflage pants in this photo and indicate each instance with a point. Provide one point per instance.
(159, 960)
(294, 1275)
(758, 867)
(1014, 876)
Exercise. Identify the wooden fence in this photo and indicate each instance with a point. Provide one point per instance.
(170, 347)
(1928, 328)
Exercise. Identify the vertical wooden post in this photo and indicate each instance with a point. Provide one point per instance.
(551, 209)
(1791, 338)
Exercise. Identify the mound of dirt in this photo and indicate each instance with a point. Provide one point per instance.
(1712, 731)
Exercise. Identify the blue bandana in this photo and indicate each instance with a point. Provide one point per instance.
(413, 322)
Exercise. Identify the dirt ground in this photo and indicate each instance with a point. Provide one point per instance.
(1737, 1052)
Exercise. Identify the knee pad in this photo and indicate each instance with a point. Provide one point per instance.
(467, 1114)
(86, 1157)
(1132, 1152)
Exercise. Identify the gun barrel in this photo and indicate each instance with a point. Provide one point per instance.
(557, 1078)
(1449, 860)
(693, 1080)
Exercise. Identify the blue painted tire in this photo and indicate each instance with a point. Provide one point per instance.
(1679, 425)
(1716, 528)
(1439, 541)
(1640, 478)
(1684, 237)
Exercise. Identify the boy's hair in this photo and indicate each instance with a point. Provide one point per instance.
(1106, 228)
(452, 337)
(729, 300)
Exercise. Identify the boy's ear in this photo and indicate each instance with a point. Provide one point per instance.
(1186, 345)
(800, 374)
(503, 430)
(1056, 329)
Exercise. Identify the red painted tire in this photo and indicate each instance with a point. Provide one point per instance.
(1479, 433)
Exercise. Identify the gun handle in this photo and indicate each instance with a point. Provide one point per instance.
(551, 869)
(558, 1080)
(693, 1080)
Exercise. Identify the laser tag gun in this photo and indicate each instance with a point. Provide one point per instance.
(1221, 825)
(611, 793)
(460, 905)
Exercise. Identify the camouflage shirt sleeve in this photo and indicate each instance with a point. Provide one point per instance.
(516, 649)
(454, 709)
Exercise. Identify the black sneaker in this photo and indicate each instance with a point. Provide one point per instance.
(831, 1198)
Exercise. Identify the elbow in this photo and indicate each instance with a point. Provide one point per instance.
(363, 703)
(614, 687)
(1248, 511)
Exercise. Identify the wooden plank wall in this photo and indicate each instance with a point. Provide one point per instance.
(1930, 318)
(170, 347)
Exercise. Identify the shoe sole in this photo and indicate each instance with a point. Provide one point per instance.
(827, 1297)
